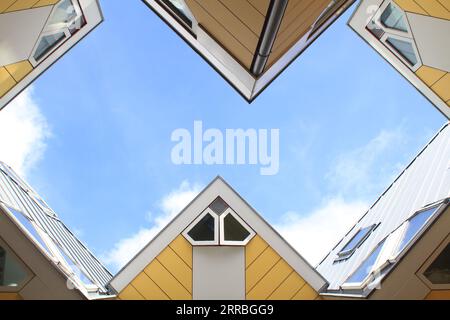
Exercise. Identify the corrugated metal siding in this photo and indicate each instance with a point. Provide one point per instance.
(424, 181)
(15, 193)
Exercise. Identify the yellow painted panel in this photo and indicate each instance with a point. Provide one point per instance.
(10, 296)
(6, 81)
(253, 249)
(220, 34)
(248, 14)
(438, 295)
(183, 248)
(167, 282)
(306, 293)
(177, 267)
(4, 4)
(442, 87)
(260, 267)
(434, 8)
(446, 4)
(261, 5)
(410, 6)
(147, 288)
(22, 5)
(130, 293)
(230, 22)
(264, 288)
(19, 70)
(288, 288)
(42, 3)
(429, 75)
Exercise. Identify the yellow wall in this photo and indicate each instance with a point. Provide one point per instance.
(438, 295)
(269, 277)
(9, 296)
(11, 74)
(15, 5)
(433, 8)
(168, 276)
(436, 79)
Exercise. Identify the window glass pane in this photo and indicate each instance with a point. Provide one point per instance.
(366, 267)
(25, 222)
(439, 271)
(12, 273)
(203, 230)
(218, 206)
(414, 225)
(47, 43)
(359, 236)
(393, 18)
(404, 48)
(233, 230)
(63, 13)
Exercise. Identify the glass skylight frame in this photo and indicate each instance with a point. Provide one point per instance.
(346, 254)
(244, 242)
(390, 253)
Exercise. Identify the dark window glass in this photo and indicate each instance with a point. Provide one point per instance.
(366, 267)
(218, 206)
(439, 271)
(12, 273)
(203, 230)
(414, 225)
(233, 230)
(404, 48)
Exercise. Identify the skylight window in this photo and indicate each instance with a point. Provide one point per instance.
(414, 225)
(355, 242)
(365, 269)
(26, 223)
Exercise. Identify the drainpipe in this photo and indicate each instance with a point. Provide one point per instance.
(269, 33)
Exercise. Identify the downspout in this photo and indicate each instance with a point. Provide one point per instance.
(269, 33)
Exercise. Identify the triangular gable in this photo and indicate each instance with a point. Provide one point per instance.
(167, 260)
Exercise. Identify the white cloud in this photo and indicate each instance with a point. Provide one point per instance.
(170, 206)
(314, 234)
(23, 133)
(360, 173)
(362, 170)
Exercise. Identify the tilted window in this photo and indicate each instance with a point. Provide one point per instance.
(355, 242)
(13, 273)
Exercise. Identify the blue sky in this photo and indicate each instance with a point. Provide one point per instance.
(348, 124)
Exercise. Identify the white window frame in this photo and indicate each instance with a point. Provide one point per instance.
(224, 242)
(54, 29)
(397, 34)
(214, 242)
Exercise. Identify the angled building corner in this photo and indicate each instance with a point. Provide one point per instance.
(218, 247)
(249, 42)
(412, 35)
(40, 257)
(399, 249)
(35, 34)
